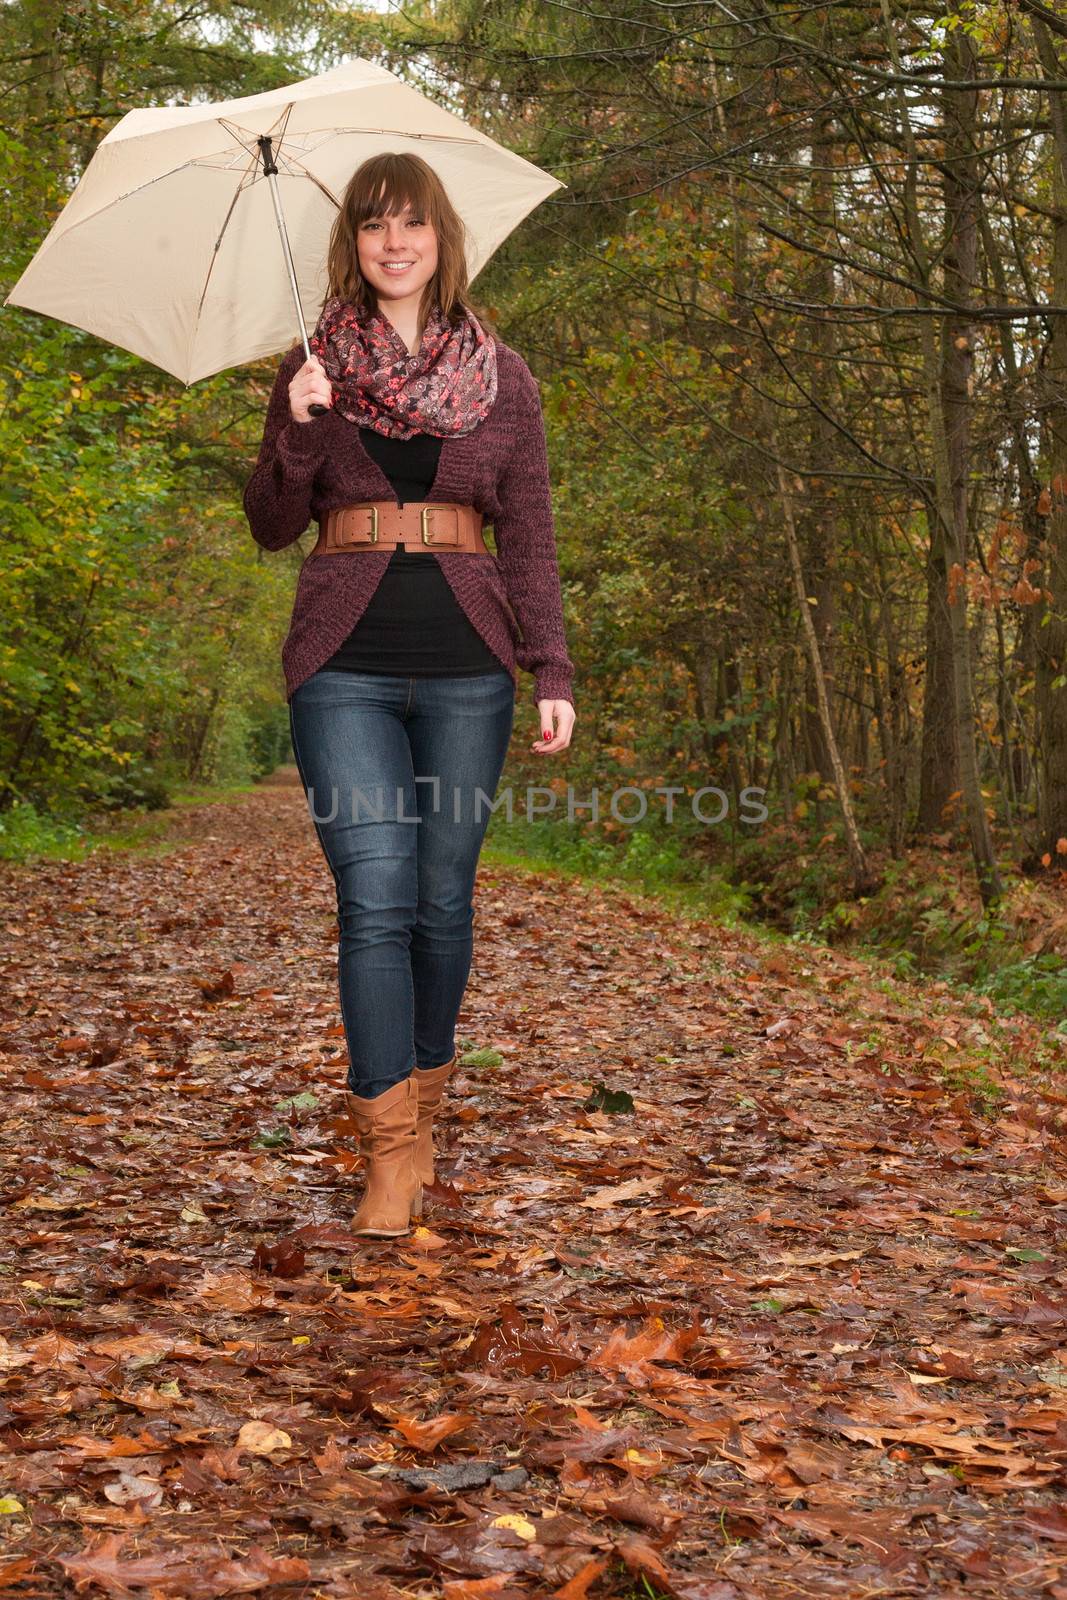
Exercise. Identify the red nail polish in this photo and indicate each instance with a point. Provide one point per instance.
(545, 734)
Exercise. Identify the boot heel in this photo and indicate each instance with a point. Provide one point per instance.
(416, 1205)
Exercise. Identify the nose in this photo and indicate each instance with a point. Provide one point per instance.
(394, 238)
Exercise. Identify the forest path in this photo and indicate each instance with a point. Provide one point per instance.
(793, 1325)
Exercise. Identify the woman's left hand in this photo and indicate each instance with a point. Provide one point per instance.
(557, 720)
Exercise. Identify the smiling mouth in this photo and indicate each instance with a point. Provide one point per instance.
(396, 266)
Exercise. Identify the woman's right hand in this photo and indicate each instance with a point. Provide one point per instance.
(309, 386)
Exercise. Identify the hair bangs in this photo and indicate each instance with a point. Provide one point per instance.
(391, 185)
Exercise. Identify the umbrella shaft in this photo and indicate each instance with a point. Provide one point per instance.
(273, 181)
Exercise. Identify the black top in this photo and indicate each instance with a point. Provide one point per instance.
(413, 625)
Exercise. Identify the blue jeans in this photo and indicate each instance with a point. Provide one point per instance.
(402, 847)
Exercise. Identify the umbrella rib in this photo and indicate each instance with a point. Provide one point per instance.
(118, 199)
(333, 130)
(214, 257)
(249, 172)
(312, 178)
(406, 133)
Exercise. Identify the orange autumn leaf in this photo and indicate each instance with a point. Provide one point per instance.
(643, 1560)
(118, 1444)
(632, 1356)
(577, 1588)
(426, 1239)
(428, 1435)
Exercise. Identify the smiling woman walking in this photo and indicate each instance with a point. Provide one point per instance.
(407, 632)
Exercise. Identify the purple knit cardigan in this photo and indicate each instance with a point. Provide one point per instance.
(512, 598)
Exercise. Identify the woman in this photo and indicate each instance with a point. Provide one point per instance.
(406, 633)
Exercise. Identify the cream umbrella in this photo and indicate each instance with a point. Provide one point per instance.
(169, 244)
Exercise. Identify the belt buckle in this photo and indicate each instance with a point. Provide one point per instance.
(428, 510)
(341, 538)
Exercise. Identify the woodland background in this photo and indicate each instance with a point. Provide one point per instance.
(800, 323)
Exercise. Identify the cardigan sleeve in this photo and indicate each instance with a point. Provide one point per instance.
(524, 532)
(277, 497)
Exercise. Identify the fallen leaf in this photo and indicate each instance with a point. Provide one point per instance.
(634, 1356)
(262, 1438)
(604, 1199)
(515, 1523)
(577, 1588)
(428, 1435)
(642, 1559)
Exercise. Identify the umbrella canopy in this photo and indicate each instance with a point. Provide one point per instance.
(169, 245)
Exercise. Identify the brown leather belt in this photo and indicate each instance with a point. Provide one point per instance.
(419, 525)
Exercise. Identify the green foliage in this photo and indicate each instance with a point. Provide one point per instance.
(480, 1059)
(652, 858)
(1036, 983)
(305, 1101)
(655, 860)
(138, 787)
(25, 833)
(128, 595)
(268, 743)
(271, 1139)
(615, 1101)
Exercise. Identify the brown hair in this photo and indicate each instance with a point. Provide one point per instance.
(382, 186)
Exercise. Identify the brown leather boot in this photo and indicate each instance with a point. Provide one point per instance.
(431, 1085)
(387, 1126)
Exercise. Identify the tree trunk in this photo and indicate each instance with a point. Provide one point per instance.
(1051, 634)
(863, 880)
(950, 425)
(939, 761)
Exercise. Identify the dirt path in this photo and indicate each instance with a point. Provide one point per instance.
(794, 1325)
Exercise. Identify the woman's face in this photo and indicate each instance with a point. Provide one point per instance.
(397, 255)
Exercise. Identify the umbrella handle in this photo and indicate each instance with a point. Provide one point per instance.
(270, 172)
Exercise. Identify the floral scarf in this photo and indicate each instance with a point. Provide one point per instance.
(446, 388)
